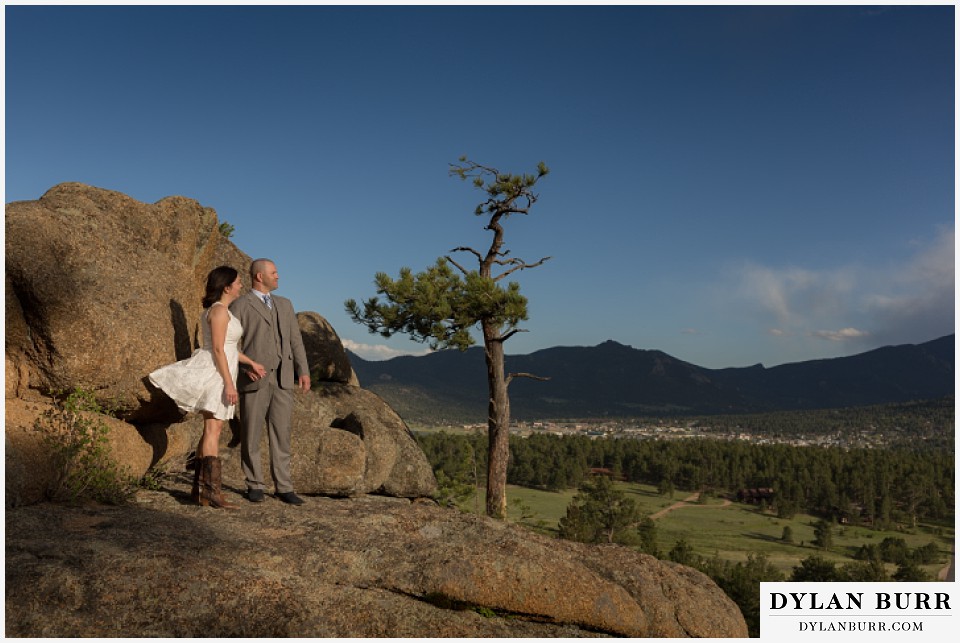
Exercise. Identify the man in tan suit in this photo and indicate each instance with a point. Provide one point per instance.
(271, 337)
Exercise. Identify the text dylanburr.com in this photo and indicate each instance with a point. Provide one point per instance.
(846, 611)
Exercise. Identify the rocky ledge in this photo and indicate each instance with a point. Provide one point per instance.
(368, 566)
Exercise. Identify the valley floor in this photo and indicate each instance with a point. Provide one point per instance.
(728, 529)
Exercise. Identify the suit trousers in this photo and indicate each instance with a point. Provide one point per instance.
(275, 405)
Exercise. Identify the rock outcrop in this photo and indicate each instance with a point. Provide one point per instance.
(28, 467)
(107, 288)
(102, 289)
(345, 442)
(350, 567)
(365, 448)
(325, 352)
(115, 295)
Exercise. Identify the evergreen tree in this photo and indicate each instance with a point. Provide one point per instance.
(665, 488)
(599, 513)
(815, 569)
(647, 532)
(451, 492)
(926, 555)
(740, 581)
(682, 553)
(823, 534)
(909, 572)
(441, 307)
(884, 511)
(578, 524)
(894, 550)
(786, 507)
(868, 571)
(868, 552)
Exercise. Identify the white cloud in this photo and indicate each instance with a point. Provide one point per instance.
(378, 352)
(790, 294)
(916, 299)
(842, 335)
(908, 301)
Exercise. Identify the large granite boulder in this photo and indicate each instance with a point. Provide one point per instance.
(325, 352)
(104, 289)
(17, 357)
(345, 441)
(101, 289)
(230, 255)
(29, 468)
(350, 567)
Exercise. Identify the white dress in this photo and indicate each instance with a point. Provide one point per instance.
(194, 383)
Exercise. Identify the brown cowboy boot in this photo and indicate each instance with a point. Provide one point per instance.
(197, 474)
(197, 480)
(206, 486)
(212, 491)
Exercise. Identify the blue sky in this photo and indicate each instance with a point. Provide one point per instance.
(731, 185)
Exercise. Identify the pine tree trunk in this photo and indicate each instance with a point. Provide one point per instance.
(498, 425)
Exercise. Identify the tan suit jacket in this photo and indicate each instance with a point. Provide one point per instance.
(259, 341)
(269, 399)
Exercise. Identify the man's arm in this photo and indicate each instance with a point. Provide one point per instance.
(300, 365)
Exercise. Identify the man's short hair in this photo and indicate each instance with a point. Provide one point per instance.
(256, 266)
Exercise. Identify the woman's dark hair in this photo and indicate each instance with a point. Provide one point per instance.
(218, 279)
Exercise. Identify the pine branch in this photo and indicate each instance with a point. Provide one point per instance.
(457, 265)
(511, 333)
(520, 265)
(539, 378)
(470, 250)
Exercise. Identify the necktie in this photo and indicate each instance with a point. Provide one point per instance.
(268, 300)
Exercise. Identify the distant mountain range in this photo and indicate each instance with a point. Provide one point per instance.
(614, 380)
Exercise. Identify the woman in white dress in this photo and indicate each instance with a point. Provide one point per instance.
(205, 382)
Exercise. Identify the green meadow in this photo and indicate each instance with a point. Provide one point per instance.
(726, 529)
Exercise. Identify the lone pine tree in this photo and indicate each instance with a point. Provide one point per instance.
(441, 305)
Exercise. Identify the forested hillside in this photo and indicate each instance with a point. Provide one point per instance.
(612, 380)
(879, 486)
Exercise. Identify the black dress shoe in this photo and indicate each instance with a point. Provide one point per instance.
(255, 495)
(290, 498)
